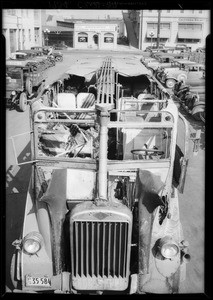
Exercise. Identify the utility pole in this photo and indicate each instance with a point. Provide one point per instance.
(158, 32)
(139, 37)
(140, 29)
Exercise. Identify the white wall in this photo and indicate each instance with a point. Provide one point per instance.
(21, 22)
(173, 17)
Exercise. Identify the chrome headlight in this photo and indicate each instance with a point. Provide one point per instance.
(32, 242)
(13, 93)
(168, 248)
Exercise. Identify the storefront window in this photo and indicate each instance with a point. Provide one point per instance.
(108, 38)
(82, 37)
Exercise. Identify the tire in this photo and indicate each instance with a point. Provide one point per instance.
(29, 86)
(170, 83)
(23, 102)
(11, 102)
(182, 77)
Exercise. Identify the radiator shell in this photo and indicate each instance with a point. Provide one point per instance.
(100, 246)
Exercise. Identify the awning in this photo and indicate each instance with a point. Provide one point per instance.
(189, 34)
(54, 29)
(163, 33)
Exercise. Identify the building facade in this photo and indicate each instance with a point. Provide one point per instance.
(91, 32)
(189, 27)
(21, 28)
(95, 36)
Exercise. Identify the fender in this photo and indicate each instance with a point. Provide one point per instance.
(148, 187)
(170, 77)
(198, 109)
(55, 197)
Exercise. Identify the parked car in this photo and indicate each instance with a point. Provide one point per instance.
(191, 99)
(167, 57)
(184, 70)
(60, 47)
(58, 56)
(201, 50)
(21, 82)
(37, 56)
(160, 59)
(195, 71)
(154, 47)
(48, 60)
(27, 55)
(182, 47)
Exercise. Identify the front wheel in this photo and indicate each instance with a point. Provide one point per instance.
(29, 85)
(170, 83)
(23, 102)
(182, 77)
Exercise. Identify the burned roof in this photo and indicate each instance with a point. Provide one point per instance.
(128, 67)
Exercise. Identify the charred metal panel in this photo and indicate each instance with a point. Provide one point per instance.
(148, 188)
(55, 197)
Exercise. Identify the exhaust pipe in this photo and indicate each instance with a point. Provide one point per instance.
(104, 118)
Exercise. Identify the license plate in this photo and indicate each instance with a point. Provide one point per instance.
(37, 281)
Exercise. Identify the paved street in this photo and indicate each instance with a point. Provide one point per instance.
(191, 202)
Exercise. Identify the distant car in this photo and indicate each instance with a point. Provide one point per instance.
(154, 47)
(183, 70)
(37, 58)
(201, 50)
(182, 47)
(60, 47)
(22, 55)
(37, 48)
(160, 59)
(21, 80)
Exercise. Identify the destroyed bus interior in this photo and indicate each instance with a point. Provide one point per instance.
(102, 212)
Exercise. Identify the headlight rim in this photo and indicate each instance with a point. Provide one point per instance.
(168, 243)
(34, 236)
